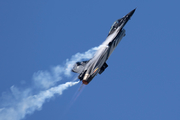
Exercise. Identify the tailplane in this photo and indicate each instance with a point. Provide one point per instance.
(79, 66)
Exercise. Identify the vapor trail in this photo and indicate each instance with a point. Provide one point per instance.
(20, 102)
(31, 103)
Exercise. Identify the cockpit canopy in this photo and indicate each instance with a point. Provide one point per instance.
(115, 25)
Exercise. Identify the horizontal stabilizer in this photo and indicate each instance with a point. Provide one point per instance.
(79, 66)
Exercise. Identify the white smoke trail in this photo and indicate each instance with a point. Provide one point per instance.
(47, 79)
(22, 102)
(31, 103)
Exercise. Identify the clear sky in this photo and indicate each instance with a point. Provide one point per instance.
(142, 81)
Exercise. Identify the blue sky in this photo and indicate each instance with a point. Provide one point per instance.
(143, 77)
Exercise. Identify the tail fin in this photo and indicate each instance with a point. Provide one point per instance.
(105, 65)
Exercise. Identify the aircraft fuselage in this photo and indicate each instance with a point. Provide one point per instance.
(97, 64)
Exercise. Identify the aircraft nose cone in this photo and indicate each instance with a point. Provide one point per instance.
(131, 13)
(127, 17)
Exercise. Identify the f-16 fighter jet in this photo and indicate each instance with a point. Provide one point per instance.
(97, 64)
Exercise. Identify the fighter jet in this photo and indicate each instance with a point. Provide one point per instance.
(97, 64)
